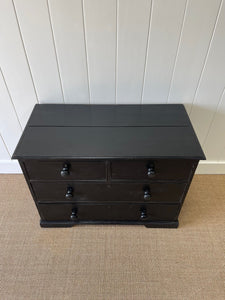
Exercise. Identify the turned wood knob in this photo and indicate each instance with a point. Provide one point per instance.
(147, 195)
(143, 214)
(69, 193)
(65, 170)
(151, 170)
(73, 215)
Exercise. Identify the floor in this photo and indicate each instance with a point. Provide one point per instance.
(113, 262)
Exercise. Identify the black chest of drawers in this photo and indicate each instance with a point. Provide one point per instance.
(109, 164)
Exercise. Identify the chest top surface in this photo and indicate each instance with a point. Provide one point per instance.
(59, 131)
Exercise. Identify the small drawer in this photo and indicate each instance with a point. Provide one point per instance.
(162, 169)
(110, 212)
(116, 192)
(65, 170)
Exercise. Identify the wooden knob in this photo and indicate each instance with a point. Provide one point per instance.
(65, 170)
(143, 214)
(147, 195)
(69, 193)
(151, 170)
(73, 215)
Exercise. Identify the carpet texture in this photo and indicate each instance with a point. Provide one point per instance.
(113, 262)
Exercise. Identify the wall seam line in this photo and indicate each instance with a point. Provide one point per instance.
(5, 145)
(178, 49)
(55, 51)
(147, 48)
(206, 58)
(24, 49)
(10, 97)
(86, 52)
(116, 50)
(213, 117)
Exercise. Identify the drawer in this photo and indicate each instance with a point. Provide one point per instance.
(75, 170)
(162, 169)
(111, 212)
(84, 192)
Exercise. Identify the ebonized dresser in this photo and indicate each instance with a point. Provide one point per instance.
(109, 164)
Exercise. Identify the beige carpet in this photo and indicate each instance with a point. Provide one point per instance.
(113, 262)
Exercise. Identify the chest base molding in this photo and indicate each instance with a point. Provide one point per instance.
(152, 224)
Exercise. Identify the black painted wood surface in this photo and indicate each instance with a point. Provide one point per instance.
(101, 192)
(108, 142)
(112, 211)
(164, 169)
(77, 170)
(109, 115)
(155, 139)
(109, 164)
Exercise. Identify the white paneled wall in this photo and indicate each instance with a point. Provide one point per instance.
(195, 38)
(114, 51)
(165, 30)
(100, 33)
(14, 65)
(133, 25)
(68, 30)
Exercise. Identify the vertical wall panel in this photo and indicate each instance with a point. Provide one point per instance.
(113, 51)
(9, 126)
(4, 155)
(67, 22)
(100, 28)
(214, 145)
(196, 35)
(133, 25)
(212, 81)
(222, 155)
(36, 31)
(13, 63)
(166, 24)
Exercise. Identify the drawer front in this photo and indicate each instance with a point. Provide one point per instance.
(61, 170)
(155, 170)
(84, 192)
(111, 212)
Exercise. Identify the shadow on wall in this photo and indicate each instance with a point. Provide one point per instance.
(209, 126)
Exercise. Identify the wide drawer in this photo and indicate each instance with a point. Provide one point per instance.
(109, 212)
(84, 192)
(63, 170)
(163, 169)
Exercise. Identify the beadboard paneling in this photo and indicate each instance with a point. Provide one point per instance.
(196, 35)
(214, 146)
(133, 25)
(212, 81)
(35, 25)
(114, 51)
(4, 154)
(68, 30)
(10, 127)
(13, 63)
(164, 34)
(100, 33)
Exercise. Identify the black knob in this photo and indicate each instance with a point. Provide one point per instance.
(143, 214)
(65, 170)
(69, 193)
(147, 195)
(151, 171)
(73, 215)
